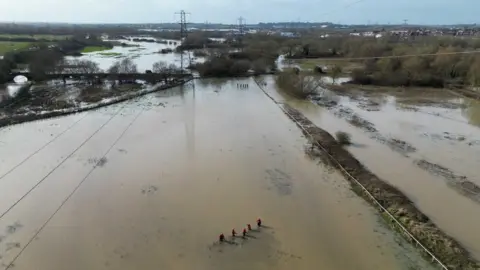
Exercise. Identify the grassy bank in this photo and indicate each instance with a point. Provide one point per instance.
(445, 248)
(9, 46)
(90, 49)
(310, 64)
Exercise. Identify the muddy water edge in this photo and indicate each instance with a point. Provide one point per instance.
(189, 164)
(435, 193)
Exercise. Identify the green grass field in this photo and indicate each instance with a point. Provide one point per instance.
(47, 37)
(7, 46)
(90, 49)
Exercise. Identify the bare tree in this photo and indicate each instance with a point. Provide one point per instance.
(335, 72)
(82, 66)
(299, 85)
(89, 67)
(160, 67)
(172, 68)
(474, 73)
(115, 68)
(124, 66)
(291, 45)
(259, 66)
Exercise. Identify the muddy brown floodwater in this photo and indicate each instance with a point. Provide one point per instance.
(151, 183)
(444, 136)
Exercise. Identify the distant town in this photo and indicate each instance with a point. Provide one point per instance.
(296, 29)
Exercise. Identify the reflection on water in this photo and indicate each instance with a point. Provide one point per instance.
(472, 112)
(9, 91)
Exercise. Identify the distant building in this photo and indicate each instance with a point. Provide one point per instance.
(287, 34)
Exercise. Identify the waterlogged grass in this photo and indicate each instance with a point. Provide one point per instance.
(90, 49)
(7, 46)
(110, 54)
(137, 49)
(310, 64)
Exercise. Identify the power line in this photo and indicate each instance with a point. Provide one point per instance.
(11, 264)
(60, 164)
(43, 147)
(399, 56)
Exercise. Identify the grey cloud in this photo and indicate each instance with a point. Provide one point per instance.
(344, 11)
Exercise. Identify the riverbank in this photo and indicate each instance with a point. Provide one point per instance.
(450, 252)
(8, 120)
(351, 87)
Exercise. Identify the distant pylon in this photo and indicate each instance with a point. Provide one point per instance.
(183, 37)
(241, 31)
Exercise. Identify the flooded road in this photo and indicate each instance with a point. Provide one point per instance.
(424, 128)
(151, 183)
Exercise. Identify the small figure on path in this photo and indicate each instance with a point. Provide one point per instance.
(249, 227)
(221, 237)
(244, 232)
(234, 233)
(259, 222)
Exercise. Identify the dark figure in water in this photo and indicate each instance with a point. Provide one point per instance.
(244, 233)
(234, 233)
(221, 237)
(249, 227)
(259, 222)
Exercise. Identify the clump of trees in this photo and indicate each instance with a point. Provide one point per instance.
(223, 66)
(256, 56)
(299, 85)
(163, 68)
(123, 66)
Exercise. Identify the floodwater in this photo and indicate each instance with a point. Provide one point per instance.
(445, 136)
(143, 54)
(151, 183)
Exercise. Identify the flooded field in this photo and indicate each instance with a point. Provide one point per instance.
(143, 54)
(72, 95)
(151, 183)
(427, 145)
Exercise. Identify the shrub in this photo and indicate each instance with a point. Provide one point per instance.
(343, 138)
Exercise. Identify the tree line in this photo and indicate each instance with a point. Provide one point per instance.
(440, 61)
(43, 58)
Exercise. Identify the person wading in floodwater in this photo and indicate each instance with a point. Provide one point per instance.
(221, 238)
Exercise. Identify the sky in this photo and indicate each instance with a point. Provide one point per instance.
(254, 11)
